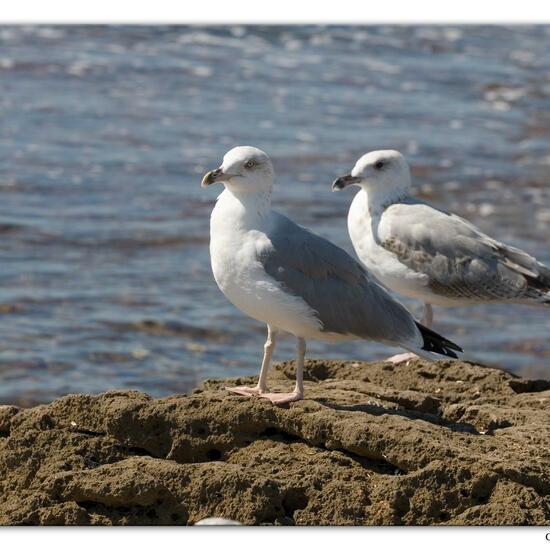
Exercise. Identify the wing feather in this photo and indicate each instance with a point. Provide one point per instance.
(334, 285)
(459, 260)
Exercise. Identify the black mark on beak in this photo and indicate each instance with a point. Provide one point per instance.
(211, 177)
(344, 181)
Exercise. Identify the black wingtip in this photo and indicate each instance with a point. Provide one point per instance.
(436, 343)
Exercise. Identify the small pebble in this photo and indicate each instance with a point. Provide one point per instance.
(217, 521)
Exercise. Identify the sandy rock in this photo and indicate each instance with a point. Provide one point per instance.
(374, 443)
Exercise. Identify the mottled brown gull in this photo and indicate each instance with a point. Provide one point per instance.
(435, 256)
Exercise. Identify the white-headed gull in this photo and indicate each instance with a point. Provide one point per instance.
(295, 281)
(435, 256)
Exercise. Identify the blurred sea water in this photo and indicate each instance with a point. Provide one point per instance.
(106, 131)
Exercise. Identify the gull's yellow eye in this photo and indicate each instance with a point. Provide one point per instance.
(249, 164)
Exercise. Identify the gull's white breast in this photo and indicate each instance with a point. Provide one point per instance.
(366, 232)
(236, 237)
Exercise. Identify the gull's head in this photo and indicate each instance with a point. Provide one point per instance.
(244, 170)
(380, 171)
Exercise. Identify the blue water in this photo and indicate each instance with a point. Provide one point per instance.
(106, 131)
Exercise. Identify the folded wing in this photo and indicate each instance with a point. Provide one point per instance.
(333, 284)
(460, 261)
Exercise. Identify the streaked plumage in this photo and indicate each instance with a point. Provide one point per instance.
(426, 253)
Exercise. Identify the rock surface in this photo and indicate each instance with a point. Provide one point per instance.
(373, 443)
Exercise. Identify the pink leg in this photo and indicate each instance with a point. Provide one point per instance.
(261, 387)
(427, 320)
(401, 358)
(298, 393)
(428, 317)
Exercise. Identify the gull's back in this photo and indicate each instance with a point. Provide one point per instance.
(459, 264)
(347, 300)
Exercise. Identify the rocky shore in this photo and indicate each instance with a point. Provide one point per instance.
(373, 444)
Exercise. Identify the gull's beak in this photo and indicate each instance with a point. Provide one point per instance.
(344, 181)
(212, 177)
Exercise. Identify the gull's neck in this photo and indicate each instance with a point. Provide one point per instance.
(247, 210)
(378, 200)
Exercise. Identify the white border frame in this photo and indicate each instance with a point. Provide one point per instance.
(275, 11)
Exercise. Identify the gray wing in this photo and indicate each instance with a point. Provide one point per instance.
(459, 260)
(333, 284)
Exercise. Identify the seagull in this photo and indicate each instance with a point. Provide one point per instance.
(429, 254)
(294, 281)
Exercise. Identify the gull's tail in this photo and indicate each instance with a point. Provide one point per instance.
(539, 286)
(435, 343)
